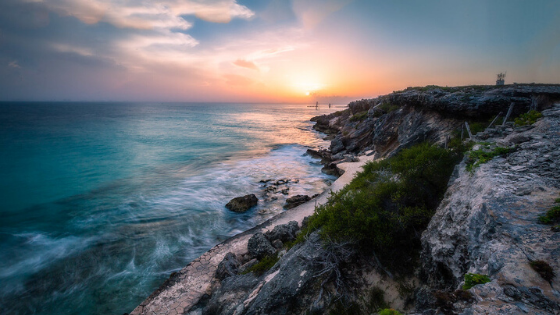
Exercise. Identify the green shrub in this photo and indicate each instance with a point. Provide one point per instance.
(389, 311)
(375, 300)
(457, 144)
(359, 116)
(543, 269)
(477, 127)
(388, 204)
(345, 308)
(478, 157)
(527, 118)
(551, 216)
(472, 279)
(388, 107)
(264, 265)
(341, 112)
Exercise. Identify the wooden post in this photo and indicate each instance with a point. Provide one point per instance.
(493, 121)
(468, 130)
(508, 113)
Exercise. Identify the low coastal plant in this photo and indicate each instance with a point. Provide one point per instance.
(551, 216)
(263, 265)
(528, 118)
(359, 116)
(375, 300)
(472, 279)
(389, 311)
(388, 107)
(480, 156)
(371, 303)
(477, 127)
(387, 206)
(543, 269)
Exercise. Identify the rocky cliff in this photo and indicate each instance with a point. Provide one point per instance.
(487, 223)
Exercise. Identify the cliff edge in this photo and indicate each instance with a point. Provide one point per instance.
(486, 250)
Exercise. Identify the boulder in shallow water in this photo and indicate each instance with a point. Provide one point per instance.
(242, 204)
(295, 201)
(259, 246)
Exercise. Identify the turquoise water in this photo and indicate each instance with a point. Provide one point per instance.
(102, 201)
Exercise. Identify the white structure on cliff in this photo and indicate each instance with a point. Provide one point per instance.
(501, 77)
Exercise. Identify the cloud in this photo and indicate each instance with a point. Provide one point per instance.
(246, 64)
(14, 64)
(234, 79)
(312, 12)
(147, 14)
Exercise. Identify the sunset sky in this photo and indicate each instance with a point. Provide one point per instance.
(268, 50)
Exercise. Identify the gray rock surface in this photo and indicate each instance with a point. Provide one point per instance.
(259, 246)
(283, 232)
(488, 224)
(295, 201)
(228, 267)
(284, 289)
(242, 204)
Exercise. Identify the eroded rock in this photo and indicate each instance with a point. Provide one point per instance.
(283, 232)
(259, 246)
(228, 267)
(242, 204)
(295, 201)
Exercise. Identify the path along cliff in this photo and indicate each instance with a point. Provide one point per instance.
(487, 223)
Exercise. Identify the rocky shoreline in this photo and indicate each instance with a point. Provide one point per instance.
(486, 224)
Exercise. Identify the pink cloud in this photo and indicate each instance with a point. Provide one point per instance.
(246, 64)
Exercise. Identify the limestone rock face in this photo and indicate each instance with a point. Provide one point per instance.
(424, 114)
(242, 204)
(284, 289)
(488, 224)
(259, 246)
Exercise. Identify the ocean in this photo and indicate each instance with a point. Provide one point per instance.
(101, 202)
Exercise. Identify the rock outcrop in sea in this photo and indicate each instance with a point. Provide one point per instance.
(243, 203)
(486, 227)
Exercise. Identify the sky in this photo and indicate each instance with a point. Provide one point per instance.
(276, 51)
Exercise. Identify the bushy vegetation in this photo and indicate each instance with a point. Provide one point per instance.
(388, 205)
(543, 269)
(341, 112)
(359, 116)
(472, 279)
(388, 107)
(552, 216)
(457, 144)
(264, 265)
(390, 311)
(372, 302)
(477, 127)
(480, 156)
(528, 118)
